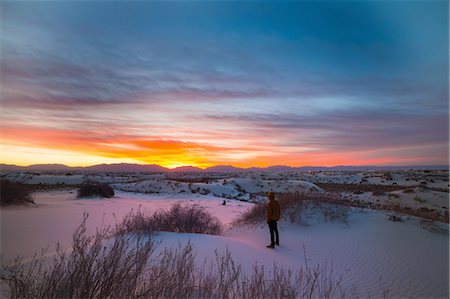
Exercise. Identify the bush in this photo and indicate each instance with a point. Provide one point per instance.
(13, 193)
(90, 270)
(95, 189)
(296, 207)
(419, 199)
(378, 193)
(126, 267)
(180, 218)
(394, 195)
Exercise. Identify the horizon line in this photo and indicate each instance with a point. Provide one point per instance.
(229, 165)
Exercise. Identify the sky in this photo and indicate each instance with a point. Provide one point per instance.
(243, 83)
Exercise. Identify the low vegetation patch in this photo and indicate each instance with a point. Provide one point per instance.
(358, 188)
(191, 180)
(90, 270)
(13, 193)
(180, 218)
(127, 266)
(93, 189)
(297, 207)
(393, 196)
(378, 193)
(419, 199)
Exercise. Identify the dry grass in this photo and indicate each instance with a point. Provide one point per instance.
(13, 193)
(93, 268)
(179, 218)
(295, 207)
(127, 266)
(421, 212)
(191, 180)
(408, 190)
(332, 206)
(89, 189)
(355, 188)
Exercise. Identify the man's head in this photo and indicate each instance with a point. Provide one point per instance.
(271, 195)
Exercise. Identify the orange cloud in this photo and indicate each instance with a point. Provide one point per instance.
(168, 153)
(106, 146)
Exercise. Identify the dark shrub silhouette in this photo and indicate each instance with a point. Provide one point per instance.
(127, 266)
(13, 193)
(180, 218)
(89, 189)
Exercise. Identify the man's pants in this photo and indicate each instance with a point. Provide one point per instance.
(273, 230)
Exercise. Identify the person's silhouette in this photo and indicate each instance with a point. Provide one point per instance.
(272, 216)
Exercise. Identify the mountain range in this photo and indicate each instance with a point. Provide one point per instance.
(126, 167)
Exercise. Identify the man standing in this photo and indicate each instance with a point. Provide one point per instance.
(272, 216)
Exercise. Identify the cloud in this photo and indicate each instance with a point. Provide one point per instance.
(210, 88)
(344, 130)
(126, 146)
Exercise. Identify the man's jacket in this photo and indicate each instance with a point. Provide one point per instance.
(273, 211)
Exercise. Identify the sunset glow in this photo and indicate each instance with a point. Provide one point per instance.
(225, 83)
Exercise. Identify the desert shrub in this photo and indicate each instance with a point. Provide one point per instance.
(126, 266)
(308, 201)
(395, 218)
(298, 206)
(13, 193)
(92, 269)
(419, 199)
(334, 212)
(254, 215)
(378, 193)
(228, 280)
(394, 195)
(434, 227)
(89, 189)
(388, 176)
(180, 218)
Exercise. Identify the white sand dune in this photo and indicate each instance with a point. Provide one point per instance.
(370, 252)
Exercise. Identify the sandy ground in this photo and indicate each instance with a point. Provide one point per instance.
(370, 252)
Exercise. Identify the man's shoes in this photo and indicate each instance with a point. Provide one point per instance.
(277, 243)
(270, 246)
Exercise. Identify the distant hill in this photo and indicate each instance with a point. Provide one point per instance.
(187, 169)
(277, 168)
(37, 167)
(120, 167)
(224, 168)
(127, 167)
(369, 167)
